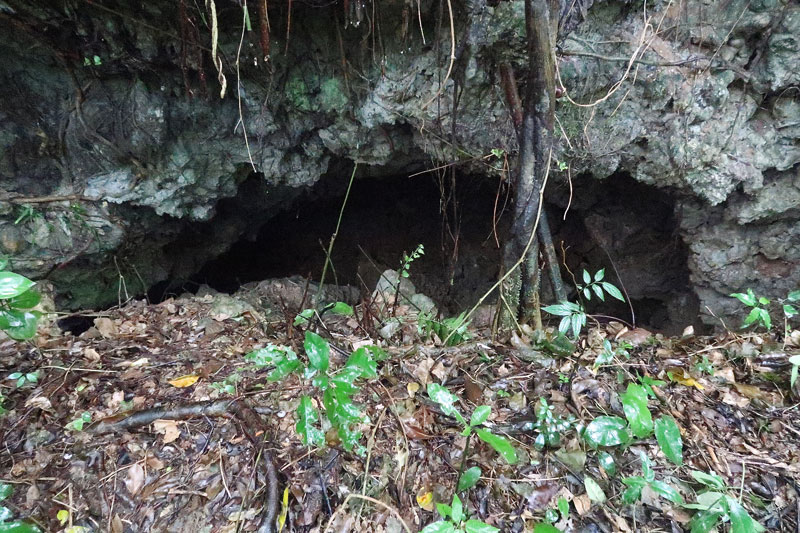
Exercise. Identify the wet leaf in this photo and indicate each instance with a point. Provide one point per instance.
(439, 527)
(446, 401)
(318, 351)
(12, 285)
(469, 478)
(545, 528)
(634, 404)
(607, 463)
(607, 431)
(500, 444)
(667, 491)
(709, 480)
(669, 439)
(480, 415)
(741, 521)
(307, 418)
(705, 521)
(362, 360)
(26, 300)
(341, 308)
(476, 526)
(457, 509)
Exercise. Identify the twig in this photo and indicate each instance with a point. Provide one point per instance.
(335, 234)
(367, 498)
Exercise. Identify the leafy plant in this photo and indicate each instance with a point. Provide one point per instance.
(6, 524)
(337, 308)
(609, 353)
(454, 518)
(24, 377)
(758, 313)
(549, 426)
(336, 388)
(704, 366)
(453, 330)
(228, 385)
(714, 505)
(78, 423)
(574, 314)
(26, 213)
(17, 299)
(635, 484)
(447, 401)
(405, 265)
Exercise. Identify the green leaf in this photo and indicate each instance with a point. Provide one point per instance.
(586, 277)
(563, 507)
(444, 510)
(752, 317)
(669, 439)
(341, 308)
(19, 325)
(635, 485)
(307, 418)
(634, 404)
(608, 463)
(586, 293)
(577, 320)
(563, 326)
(598, 290)
(476, 526)
(593, 490)
(612, 291)
(667, 491)
(765, 318)
(500, 444)
(6, 490)
(709, 480)
(12, 285)
(446, 401)
(557, 309)
(545, 528)
(469, 478)
(304, 317)
(439, 527)
(362, 360)
(789, 310)
(4, 264)
(705, 521)
(741, 521)
(480, 415)
(317, 350)
(283, 368)
(794, 296)
(747, 299)
(607, 431)
(18, 526)
(647, 467)
(26, 300)
(457, 507)
(763, 301)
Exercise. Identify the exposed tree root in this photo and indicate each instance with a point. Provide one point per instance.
(251, 424)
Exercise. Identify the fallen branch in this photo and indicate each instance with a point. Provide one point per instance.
(251, 424)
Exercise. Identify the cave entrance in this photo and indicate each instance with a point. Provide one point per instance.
(383, 218)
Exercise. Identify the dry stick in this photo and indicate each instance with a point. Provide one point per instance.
(250, 422)
(335, 233)
(519, 261)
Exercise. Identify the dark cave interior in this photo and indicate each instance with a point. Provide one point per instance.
(618, 224)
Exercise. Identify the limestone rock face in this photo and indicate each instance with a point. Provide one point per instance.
(121, 166)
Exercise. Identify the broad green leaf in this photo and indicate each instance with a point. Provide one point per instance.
(469, 478)
(794, 296)
(283, 368)
(341, 308)
(608, 463)
(577, 321)
(587, 293)
(635, 485)
(444, 510)
(362, 360)
(563, 326)
(598, 276)
(706, 501)
(667, 491)
(446, 401)
(634, 404)
(563, 507)
(789, 310)
(705, 521)
(304, 317)
(747, 299)
(669, 439)
(599, 292)
(441, 526)
(612, 291)
(709, 480)
(500, 444)
(26, 300)
(593, 490)
(19, 325)
(545, 528)
(741, 521)
(317, 350)
(765, 318)
(607, 431)
(12, 285)
(557, 309)
(480, 415)
(476, 526)
(307, 418)
(457, 513)
(647, 467)
(6, 490)
(763, 301)
(586, 277)
(752, 317)
(18, 526)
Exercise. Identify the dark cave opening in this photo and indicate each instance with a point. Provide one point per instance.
(626, 227)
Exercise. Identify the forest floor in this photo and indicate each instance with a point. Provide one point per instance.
(605, 455)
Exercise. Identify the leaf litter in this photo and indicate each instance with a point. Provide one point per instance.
(648, 419)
